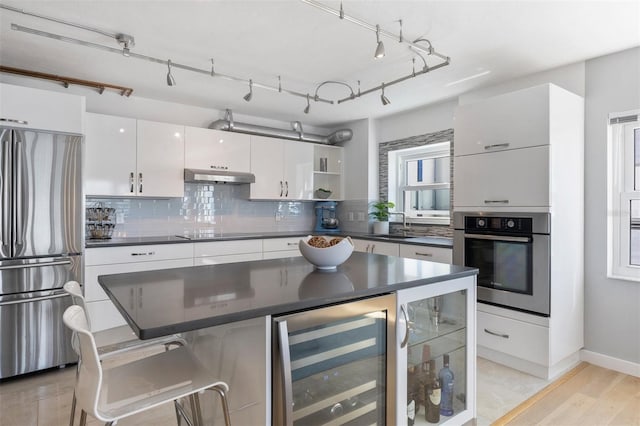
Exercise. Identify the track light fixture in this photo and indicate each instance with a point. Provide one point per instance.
(380, 46)
(249, 95)
(383, 98)
(170, 80)
(306, 110)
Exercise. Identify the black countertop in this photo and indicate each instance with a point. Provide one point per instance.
(207, 237)
(162, 302)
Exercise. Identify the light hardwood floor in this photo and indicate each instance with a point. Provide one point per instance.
(589, 395)
(594, 396)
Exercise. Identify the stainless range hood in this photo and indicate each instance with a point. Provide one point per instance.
(218, 176)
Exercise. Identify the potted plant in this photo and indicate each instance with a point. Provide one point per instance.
(380, 211)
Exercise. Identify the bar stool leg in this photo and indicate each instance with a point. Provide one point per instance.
(83, 418)
(225, 404)
(72, 416)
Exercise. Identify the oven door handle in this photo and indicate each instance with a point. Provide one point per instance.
(499, 238)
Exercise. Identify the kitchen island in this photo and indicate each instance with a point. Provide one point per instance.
(231, 306)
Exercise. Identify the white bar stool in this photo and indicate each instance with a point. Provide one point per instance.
(113, 341)
(114, 393)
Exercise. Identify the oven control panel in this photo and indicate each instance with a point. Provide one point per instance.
(520, 225)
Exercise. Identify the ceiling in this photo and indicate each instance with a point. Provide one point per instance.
(261, 40)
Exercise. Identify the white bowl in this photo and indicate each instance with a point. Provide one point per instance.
(329, 257)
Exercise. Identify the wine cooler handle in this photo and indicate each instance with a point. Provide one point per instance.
(285, 365)
(405, 340)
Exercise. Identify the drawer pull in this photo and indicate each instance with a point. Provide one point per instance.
(496, 201)
(423, 254)
(149, 253)
(292, 244)
(493, 333)
(497, 145)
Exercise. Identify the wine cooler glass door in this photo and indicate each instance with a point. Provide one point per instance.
(331, 366)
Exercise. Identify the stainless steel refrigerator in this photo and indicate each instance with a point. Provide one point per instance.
(41, 238)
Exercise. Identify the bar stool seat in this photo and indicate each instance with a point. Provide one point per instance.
(110, 394)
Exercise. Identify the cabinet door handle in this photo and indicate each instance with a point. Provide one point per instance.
(281, 188)
(493, 333)
(13, 120)
(286, 184)
(140, 182)
(373, 246)
(497, 145)
(131, 178)
(405, 340)
(496, 201)
(292, 244)
(149, 253)
(423, 254)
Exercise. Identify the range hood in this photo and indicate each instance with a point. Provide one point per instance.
(218, 176)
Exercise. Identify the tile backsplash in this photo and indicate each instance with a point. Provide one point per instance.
(205, 208)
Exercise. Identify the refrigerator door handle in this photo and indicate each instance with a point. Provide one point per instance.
(5, 169)
(36, 265)
(18, 232)
(285, 368)
(34, 299)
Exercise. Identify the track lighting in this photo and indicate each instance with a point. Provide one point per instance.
(170, 80)
(249, 95)
(380, 47)
(383, 98)
(306, 110)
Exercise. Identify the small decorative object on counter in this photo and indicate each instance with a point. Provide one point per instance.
(446, 381)
(326, 252)
(433, 395)
(380, 211)
(100, 222)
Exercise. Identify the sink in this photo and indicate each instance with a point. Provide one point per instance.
(393, 236)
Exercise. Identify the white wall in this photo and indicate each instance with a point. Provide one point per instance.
(428, 119)
(612, 307)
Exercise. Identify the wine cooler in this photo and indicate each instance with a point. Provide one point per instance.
(335, 365)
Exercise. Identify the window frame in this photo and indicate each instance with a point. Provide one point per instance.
(398, 187)
(621, 192)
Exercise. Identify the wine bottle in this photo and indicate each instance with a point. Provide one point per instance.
(411, 395)
(446, 381)
(433, 395)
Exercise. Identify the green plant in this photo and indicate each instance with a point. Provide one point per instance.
(381, 210)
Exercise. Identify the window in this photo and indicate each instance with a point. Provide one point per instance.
(624, 197)
(420, 182)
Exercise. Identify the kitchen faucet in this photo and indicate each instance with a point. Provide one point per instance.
(404, 220)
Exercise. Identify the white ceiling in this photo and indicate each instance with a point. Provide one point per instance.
(306, 46)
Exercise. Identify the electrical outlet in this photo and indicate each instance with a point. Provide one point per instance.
(278, 216)
(350, 217)
(361, 216)
(119, 217)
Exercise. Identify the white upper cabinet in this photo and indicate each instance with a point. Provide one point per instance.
(160, 154)
(520, 150)
(209, 149)
(128, 157)
(516, 178)
(110, 155)
(41, 109)
(283, 169)
(327, 170)
(515, 120)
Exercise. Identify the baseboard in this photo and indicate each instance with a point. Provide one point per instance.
(606, 361)
(544, 372)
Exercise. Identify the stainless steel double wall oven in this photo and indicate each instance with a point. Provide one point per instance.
(512, 253)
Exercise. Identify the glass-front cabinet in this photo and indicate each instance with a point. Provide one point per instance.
(436, 353)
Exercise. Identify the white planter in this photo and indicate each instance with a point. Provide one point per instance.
(381, 228)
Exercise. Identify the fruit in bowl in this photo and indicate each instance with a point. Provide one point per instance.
(326, 252)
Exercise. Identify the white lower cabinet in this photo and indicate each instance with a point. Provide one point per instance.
(433, 254)
(113, 260)
(436, 323)
(277, 248)
(216, 252)
(377, 247)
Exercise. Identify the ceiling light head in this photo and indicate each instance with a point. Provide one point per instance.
(380, 46)
(383, 98)
(127, 42)
(249, 95)
(170, 80)
(306, 110)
